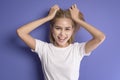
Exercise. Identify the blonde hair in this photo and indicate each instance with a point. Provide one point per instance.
(65, 14)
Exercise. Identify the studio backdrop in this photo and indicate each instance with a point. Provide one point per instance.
(17, 62)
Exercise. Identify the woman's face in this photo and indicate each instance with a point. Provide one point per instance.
(62, 31)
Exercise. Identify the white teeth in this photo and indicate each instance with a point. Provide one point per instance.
(61, 39)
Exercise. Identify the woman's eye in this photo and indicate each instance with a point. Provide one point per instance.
(57, 28)
(68, 29)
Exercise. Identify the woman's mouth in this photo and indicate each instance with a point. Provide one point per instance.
(62, 39)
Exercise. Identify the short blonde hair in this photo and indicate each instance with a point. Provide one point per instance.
(65, 14)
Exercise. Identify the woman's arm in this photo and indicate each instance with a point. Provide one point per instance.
(23, 32)
(97, 36)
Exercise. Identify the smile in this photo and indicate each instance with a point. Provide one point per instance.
(62, 39)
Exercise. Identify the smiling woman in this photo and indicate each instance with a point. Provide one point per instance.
(65, 27)
(61, 58)
(62, 32)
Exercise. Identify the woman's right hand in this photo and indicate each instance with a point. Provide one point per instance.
(53, 11)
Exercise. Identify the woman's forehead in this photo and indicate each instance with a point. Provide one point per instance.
(63, 21)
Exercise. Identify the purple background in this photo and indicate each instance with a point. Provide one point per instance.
(17, 62)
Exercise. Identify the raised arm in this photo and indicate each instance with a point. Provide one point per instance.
(23, 31)
(97, 36)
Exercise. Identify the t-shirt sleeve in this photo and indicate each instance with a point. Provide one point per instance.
(81, 47)
(39, 47)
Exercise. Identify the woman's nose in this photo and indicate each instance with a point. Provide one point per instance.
(62, 33)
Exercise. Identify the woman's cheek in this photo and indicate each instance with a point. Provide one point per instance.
(57, 32)
(69, 33)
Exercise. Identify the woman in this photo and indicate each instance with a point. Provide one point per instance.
(61, 58)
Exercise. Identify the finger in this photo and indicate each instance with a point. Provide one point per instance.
(55, 6)
(72, 6)
(75, 5)
(70, 9)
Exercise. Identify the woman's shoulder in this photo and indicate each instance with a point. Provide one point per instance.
(41, 42)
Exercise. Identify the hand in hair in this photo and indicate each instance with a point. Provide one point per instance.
(74, 12)
(53, 11)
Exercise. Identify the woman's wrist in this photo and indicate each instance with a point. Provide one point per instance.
(77, 20)
(48, 18)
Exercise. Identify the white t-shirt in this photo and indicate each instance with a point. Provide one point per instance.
(60, 63)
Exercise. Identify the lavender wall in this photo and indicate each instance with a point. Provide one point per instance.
(17, 62)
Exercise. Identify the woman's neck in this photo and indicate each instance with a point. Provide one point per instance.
(61, 46)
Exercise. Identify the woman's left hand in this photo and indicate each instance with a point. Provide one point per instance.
(74, 12)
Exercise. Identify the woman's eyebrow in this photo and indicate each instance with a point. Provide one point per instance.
(68, 27)
(58, 26)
